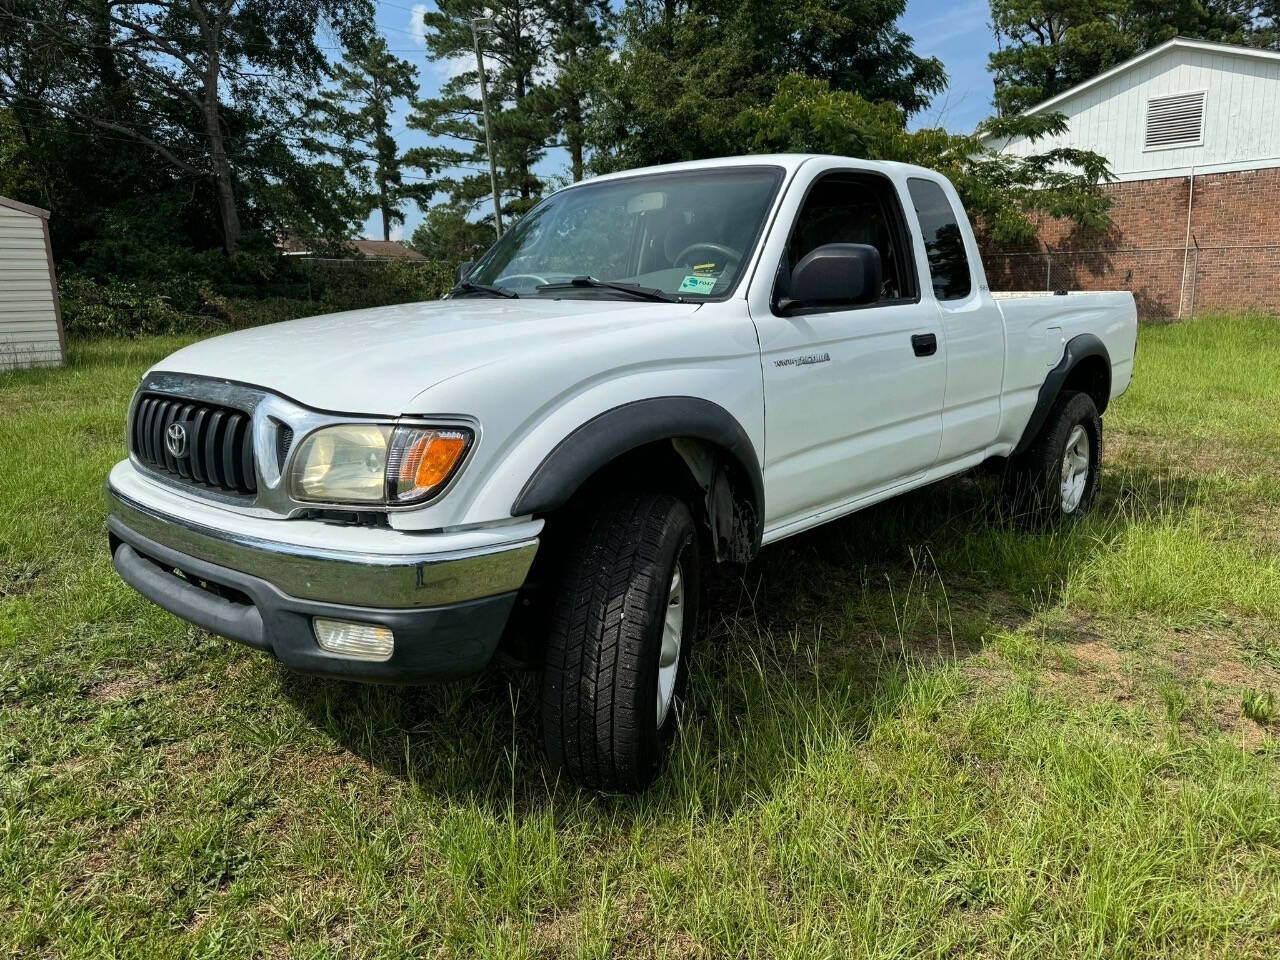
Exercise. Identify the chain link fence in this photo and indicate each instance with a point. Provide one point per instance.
(1167, 282)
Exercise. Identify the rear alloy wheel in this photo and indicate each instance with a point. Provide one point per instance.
(617, 655)
(1057, 477)
(1077, 463)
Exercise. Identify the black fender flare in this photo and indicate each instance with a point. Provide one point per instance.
(1078, 348)
(608, 435)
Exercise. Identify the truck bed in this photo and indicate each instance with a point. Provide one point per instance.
(1038, 325)
(1017, 294)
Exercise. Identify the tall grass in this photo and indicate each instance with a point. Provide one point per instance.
(922, 730)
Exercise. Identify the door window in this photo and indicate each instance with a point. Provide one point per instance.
(855, 208)
(943, 241)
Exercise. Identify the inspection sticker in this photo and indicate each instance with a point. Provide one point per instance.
(698, 284)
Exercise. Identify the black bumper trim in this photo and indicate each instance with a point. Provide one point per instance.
(430, 643)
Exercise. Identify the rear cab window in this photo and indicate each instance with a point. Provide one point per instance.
(943, 240)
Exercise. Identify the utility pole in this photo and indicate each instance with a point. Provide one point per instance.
(476, 25)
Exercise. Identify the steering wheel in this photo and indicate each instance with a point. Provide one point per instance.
(716, 248)
(503, 281)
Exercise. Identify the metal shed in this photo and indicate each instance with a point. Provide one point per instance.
(31, 333)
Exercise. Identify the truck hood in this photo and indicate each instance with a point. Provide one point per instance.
(376, 361)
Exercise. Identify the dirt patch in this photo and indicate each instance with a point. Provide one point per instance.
(125, 687)
(16, 583)
(323, 766)
(556, 932)
(103, 856)
(1097, 655)
(1188, 455)
(1260, 522)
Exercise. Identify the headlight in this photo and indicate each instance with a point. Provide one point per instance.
(372, 463)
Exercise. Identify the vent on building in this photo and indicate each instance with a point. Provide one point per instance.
(1175, 121)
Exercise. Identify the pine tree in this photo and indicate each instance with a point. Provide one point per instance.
(351, 121)
(580, 34)
(516, 43)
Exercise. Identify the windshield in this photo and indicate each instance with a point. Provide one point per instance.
(684, 235)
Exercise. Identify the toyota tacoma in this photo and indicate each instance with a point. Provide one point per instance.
(649, 373)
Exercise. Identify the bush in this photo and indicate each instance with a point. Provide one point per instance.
(117, 308)
(350, 285)
(191, 303)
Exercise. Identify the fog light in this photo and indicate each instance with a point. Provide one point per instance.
(361, 641)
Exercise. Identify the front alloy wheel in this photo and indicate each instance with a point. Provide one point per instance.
(672, 633)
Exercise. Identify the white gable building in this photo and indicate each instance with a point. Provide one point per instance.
(1191, 131)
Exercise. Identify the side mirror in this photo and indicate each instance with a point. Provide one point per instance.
(835, 274)
(464, 268)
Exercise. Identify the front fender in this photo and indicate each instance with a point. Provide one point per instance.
(614, 432)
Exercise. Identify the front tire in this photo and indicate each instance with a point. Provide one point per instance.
(617, 656)
(1056, 478)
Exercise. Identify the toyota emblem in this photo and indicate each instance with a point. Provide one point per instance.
(175, 440)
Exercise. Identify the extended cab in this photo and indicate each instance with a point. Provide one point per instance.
(649, 373)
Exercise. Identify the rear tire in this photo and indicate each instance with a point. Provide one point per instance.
(622, 625)
(1056, 478)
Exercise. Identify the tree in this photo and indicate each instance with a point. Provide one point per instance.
(516, 41)
(56, 71)
(578, 47)
(446, 235)
(685, 73)
(207, 80)
(1047, 46)
(351, 121)
(1003, 195)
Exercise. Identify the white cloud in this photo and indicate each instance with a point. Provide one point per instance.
(418, 28)
(946, 29)
(457, 66)
(397, 232)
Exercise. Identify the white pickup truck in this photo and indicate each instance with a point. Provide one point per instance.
(649, 373)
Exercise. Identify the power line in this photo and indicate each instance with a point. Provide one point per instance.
(231, 154)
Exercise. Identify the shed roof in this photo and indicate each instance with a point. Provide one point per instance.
(24, 208)
(387, 250)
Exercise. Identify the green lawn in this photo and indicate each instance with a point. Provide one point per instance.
(919, 731)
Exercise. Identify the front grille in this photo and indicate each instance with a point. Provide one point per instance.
(219, 442)
(284, 440)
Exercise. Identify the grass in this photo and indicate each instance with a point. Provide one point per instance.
(919, 731)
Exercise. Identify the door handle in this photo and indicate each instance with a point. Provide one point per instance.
(924, 344)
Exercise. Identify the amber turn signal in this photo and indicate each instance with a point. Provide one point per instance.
(424, 460)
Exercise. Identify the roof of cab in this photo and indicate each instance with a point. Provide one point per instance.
(790, 162)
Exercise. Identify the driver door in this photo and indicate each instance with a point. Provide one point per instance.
(853, 394)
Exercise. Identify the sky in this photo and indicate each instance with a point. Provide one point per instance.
(954, 31)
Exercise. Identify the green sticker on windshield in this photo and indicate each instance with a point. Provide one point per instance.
(698, 284)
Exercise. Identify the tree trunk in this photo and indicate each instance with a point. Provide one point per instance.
(523, 165)
(575, 156)
(573, 135)
(223, 183)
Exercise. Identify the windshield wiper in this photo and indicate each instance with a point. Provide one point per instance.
(467, 286)
(644, 293)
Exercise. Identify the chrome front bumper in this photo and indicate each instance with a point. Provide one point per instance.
(447, 609)
(412, 579)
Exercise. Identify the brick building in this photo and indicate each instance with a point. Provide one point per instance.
(1192, 133)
